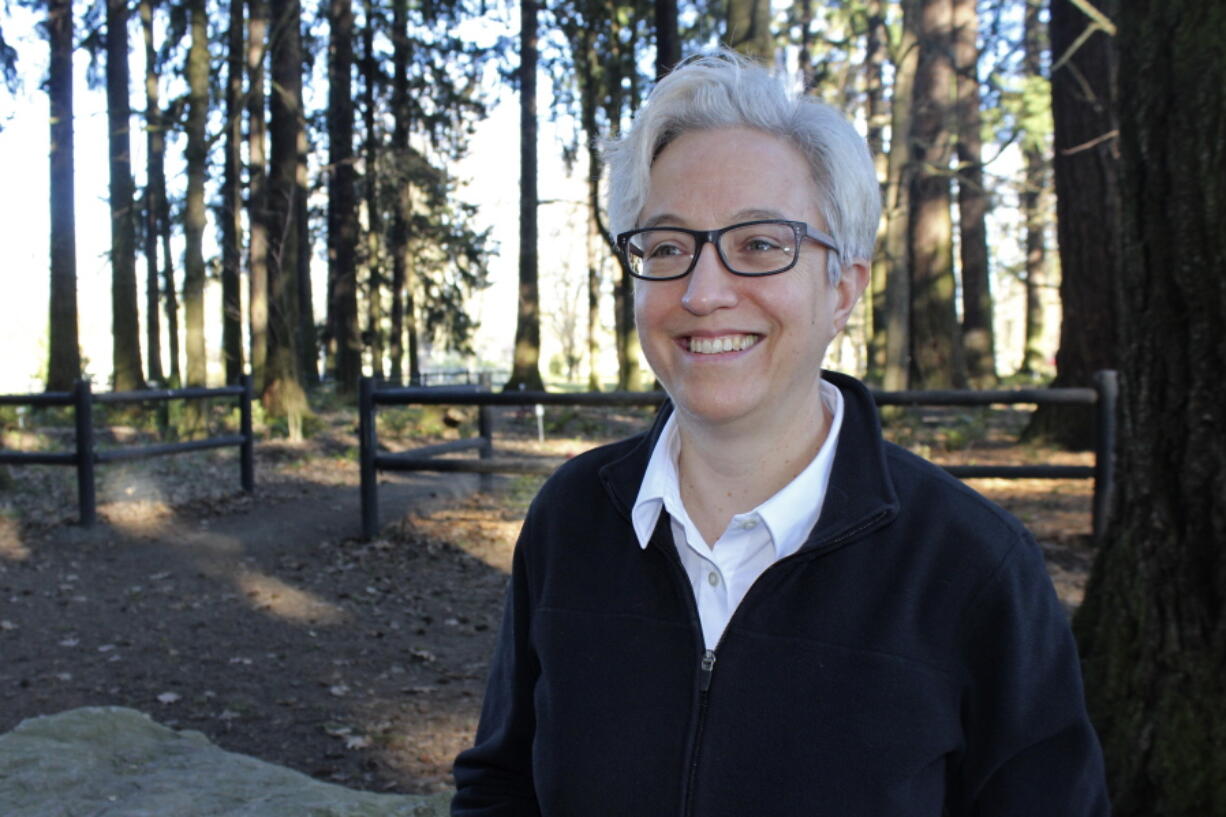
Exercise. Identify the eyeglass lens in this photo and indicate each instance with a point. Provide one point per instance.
(756, 249)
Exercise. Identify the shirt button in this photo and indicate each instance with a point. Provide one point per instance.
(749, 524)
(712, 578)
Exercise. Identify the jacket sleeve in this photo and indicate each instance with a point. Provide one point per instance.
(1030, 748)
(494, 777)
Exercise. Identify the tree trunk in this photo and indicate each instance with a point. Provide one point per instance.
(668, 43)
(901, 171)
(64, 357)
(1153, 624)
(874, 89)
(935, 335)
(747, 29)
(257, 193)
(1085, 166)
(155, 196)
(283, 394)
(305, 340)
(127, 370)
(399, 238)
(342, 203)
(525, 372)
(374, 235)
(1034, 209)
(978, 340)
(232, 203)
(194, 217)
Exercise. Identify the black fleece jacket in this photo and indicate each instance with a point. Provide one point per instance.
(911, 659)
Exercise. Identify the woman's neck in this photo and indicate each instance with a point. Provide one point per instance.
(725, 470)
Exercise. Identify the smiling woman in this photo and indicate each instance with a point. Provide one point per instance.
(759, 606)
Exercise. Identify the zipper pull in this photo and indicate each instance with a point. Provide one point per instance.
(707, 669)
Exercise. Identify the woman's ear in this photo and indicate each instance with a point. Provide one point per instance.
(848, 290)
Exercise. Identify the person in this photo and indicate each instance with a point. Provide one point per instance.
(759, 608)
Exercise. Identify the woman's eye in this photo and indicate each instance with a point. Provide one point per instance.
(664, 250)
(760, 245)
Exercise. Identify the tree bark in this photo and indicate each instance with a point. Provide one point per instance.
(399, 238)
(1085, 166)
(64, 356)
(1153, 625)
(283, 394)
(1034, 209)
(232, 203)
(747, 29)
(374, 233)
(127, 371)
(935, 336)
(342, 202)
(155, 196)
(257, 192)
(978, 338)
(305, 337)
(874, 88)
(197, 171)
(668, 42)
(525, 372)
(893, 270)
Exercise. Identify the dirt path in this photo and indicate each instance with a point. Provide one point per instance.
(263, 623)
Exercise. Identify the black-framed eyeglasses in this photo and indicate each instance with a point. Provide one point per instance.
(752, 248)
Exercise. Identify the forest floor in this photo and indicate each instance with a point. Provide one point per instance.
(264, 621)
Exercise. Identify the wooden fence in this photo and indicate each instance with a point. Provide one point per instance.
(1103, 396)
(85, 456)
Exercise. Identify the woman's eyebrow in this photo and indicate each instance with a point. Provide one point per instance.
(672, 219)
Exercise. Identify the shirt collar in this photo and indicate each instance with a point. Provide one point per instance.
(789, 515)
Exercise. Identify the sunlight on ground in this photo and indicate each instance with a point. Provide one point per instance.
(419, 740)
(11, 545)
(271, 595)
(217, 556)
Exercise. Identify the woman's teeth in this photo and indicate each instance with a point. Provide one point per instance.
(727, 343)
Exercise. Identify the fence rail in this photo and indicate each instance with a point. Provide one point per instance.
(85, 455)
(1103, 396)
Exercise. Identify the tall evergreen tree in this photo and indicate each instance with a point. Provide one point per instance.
(978, 337)
(374, 236)
(232, 200)
(343, 332)
(127, 370)
(1034, 211)
(402, 311)
(155, 196)
(197, 172)
(1152, 627)
(64, 358)
(935, 335)
(525, 371)
(257, 191)
(900, 174)
(283, 394)
(1085, 167)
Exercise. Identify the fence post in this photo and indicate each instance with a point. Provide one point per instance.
(366, 458)
(1107, 384)
(485, 427)
(247, 450)
(83, 403)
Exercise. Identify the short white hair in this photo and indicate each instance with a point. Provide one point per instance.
(725, 90)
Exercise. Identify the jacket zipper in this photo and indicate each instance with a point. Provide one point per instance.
(706, 666)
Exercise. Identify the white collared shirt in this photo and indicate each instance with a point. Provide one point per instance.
(722, 573)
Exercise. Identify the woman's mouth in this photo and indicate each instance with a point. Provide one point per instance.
(723, 343)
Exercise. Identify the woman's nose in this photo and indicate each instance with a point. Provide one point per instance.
(709, 286)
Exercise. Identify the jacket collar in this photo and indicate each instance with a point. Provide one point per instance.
(861, 495)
